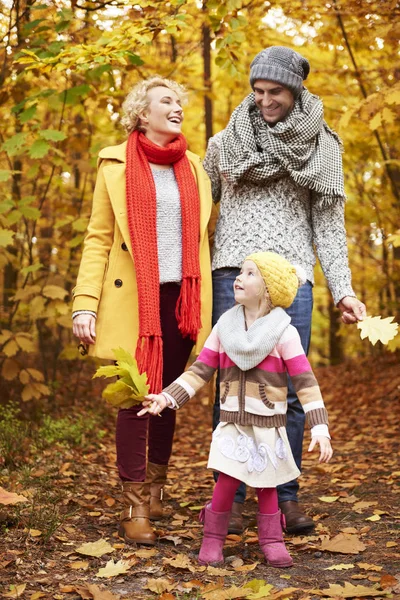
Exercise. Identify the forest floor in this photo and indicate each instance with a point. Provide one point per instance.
(73, 498)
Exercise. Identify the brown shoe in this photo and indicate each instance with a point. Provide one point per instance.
(296, 520)
(134, 525)
(236, 519)
(157, 478)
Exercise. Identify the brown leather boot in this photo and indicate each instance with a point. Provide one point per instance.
(134, 525)
(157, 478)
(296, 520)
(236, 519)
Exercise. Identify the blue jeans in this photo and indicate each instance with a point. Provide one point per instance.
(300, 312)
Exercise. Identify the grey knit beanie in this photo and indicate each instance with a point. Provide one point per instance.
(282, 65)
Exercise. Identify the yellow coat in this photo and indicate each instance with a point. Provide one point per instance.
(106, 281)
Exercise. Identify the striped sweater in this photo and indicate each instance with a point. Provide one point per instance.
(257, 396)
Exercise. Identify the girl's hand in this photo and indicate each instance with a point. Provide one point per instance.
(154, 404)
(84, 328)
(325, 447)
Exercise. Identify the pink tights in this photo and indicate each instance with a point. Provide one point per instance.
(224, 493)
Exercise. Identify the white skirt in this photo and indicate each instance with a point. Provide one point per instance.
(258, 456)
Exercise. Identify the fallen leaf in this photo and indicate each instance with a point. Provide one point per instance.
(368, 567)
(375, 328)
(391, 544)
(110, 501)
(328, 498)
(79, 564)
(181, 561)
(35, 532)
(218, 572)
(388, 582)
(10, 497)
(97, 548)
(37, 595)
(350, 591)
(340, 567)
(373, 518)
(113, 568)
(160, 585)
(345, 543)
(16, 591)
(246, 568)
(90, 590)
(143, 553)
(225, 594)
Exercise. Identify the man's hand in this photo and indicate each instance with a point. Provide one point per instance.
(352, 310)
(326, 451)
(84, 328)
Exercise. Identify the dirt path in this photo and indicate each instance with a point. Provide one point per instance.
(360, 503)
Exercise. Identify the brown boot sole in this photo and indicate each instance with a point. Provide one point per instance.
(299, 529)
(127, 540)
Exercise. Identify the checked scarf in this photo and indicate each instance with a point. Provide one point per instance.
(302, 146)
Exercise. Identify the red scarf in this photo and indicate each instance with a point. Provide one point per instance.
(142, 222)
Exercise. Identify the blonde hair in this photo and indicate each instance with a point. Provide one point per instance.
(137, 100)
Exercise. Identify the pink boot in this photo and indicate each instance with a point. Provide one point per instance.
(271, 542)
(215, 531)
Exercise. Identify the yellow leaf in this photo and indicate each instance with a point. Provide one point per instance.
(328, 498)
(218, 572)
(226, 594)
(25, 342)
(145, 553)
(345, 543)
(340, 567)
(37, 595)
(5, 335)
(35, 374)
(388, 116)
(113, 568)
(376, 121)
(95, 548)
(181, 561)
(390, 544)
(393, 97)
(350, 591)
(375, 328)
(245, 568)
(79, 564)
(55, 292)
(10, 497)
(160, 585)
(11, 348)
(368, 567)
(16, 592)
(373, 518)
(35, 533)
(9, 369)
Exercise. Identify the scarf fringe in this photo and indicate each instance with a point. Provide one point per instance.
(187, 309)
(149, 358)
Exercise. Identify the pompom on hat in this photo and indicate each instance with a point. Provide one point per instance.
(281, 65)
(282, 279)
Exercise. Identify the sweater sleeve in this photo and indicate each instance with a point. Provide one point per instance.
(200, 372)
(303, 378)
(329, 236)
(211, 166)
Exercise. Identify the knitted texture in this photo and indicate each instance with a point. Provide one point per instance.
(142, 222)
(279, 277)
(282, 65)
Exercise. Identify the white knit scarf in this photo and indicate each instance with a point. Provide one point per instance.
(302, 146)
(247, 348)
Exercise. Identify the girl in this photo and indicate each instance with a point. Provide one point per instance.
(254, 346)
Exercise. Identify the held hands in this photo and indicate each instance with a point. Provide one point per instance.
(352, 310)
(84, 328)
(324, 445)
(154, 404)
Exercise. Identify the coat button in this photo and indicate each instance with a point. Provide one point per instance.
(124, 246)
(118, 283)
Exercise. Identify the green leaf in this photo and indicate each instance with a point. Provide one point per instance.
(107, 371)
(6, 205)
(5, 175)
(28, 114)
(52, 134)
(30, 212)
(6, 237)
(119, 394)
(73, 94)
(123, 355)
(80, 224)
(76, 241)
(31, 269)
(39, 149)
(32, 25)
(62, 26)
(14, 144)
(134, 59)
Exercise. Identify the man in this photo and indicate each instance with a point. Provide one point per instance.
(277, 171)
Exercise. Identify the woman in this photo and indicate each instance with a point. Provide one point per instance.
(144, 283)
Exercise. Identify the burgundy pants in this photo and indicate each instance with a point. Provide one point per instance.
(133, 432)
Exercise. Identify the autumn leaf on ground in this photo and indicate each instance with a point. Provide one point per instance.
(261, 591)
(160, 585)
(368, 567)
(16, 591)
(180, 561)
(328, 498)
(345, 543)
(10, 497)
(95, 548)
(340, 567)
(226, 594)
(113, 568)
(349, 591)
(91, 590)
(378, 329)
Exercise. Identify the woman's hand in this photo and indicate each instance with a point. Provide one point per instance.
(324, 445)
(84, 328)
(154, 404)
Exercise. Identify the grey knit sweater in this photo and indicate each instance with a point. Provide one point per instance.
(282, 218)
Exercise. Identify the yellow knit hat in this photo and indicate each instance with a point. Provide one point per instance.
(281, 278)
